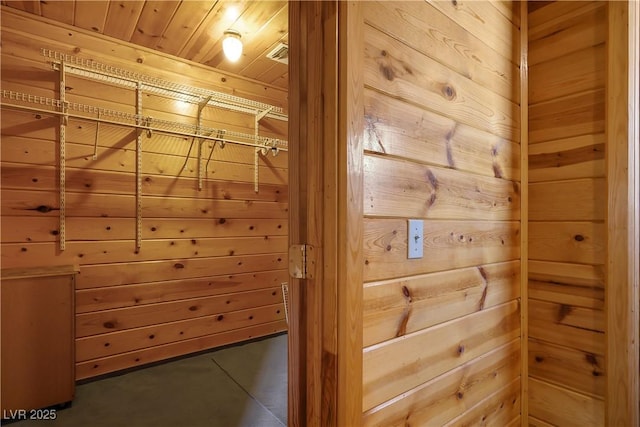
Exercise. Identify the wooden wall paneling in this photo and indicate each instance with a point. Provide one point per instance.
(434, 34)
(483, 331)
(108, 344)
(571, 200)
(401, 129)
(567, 117)
(398, 307)
(442, 140)
(443, 398)
(400, 189)
(486, 23)
(30, 202)
(95, 276)
(572, 274)
(623, 213)
(42, 152)
(391, 67)
(93, 368)
(570, 158)
(567, 294)
(115, 297)
(569, 74)
(558, 406)
(579, 370)
(112, 320)
(45, 229)
(100, 252)
(546, 328)
(558, 29)
(573, 242)
(450, 244)
(499, 408)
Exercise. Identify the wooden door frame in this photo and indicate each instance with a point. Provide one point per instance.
(326, 122)
(623, 214)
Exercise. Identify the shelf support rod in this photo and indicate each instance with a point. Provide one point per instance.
(64, 120)
(95, 143)
(140, 121)
(201, 106)
(256, 155)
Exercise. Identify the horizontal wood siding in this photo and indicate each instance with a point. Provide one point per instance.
(441, 333)
(212, 261)
(567, 199)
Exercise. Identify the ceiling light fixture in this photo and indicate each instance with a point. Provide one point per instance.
(232, 45)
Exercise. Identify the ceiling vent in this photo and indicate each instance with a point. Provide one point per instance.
(280, 53)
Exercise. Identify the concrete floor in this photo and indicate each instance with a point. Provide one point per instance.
(241, 385)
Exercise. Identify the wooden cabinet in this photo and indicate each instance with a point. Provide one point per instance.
(37, 334)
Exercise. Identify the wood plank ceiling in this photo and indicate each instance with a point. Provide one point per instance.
(188, 29)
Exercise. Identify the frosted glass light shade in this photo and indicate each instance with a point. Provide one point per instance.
(232, 45)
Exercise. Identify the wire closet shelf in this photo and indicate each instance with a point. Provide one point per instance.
(66, 64)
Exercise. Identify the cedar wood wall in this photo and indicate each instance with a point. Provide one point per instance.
(211, 262)
(442, 333)
(567, 199)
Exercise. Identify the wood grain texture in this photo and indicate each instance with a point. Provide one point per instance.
(104, 298)
(623, 215)
(450, 245)
(572, 242)
(441, 140)
(573, 327)
(486, 23)
(574, 200)
(45, 229)
(459, 341)
(559, 406)
(562, 28)
(567, 294)
(404, 130)
(571, 158)
(567, 117)
(445, 397)
(569, 74)
(434, 34)
(350, 227)
(399, 71)
(407, 189)
(399, 307)
(118, 319)
(112, 343)
(578, 370)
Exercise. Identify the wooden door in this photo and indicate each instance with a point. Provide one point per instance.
(325, 188)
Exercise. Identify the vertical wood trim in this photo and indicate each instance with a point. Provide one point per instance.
(622, 295)
(296, 371)
(524, 213)
(350, 212)
(329, 205)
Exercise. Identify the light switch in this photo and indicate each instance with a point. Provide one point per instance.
(415, 237)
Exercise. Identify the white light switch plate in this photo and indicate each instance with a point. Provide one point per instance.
(415, 237)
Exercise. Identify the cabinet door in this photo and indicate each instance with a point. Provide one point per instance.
(37, 342)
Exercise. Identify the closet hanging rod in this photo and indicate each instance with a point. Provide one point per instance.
(98, 71)
(252, 141)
